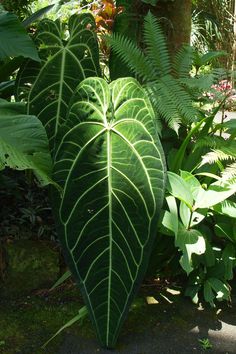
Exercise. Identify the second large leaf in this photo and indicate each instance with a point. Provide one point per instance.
(110, 164)
(69, 54)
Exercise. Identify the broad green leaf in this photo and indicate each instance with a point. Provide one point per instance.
(110, 163)
(189, 242)
(229, 258)
(176, 165)
(174, 220)
(198, 216)
(190, 179)
(178, 187)
(208, 57)
(193, 183)
(191, 219)
(185, 214)
(216, 193)
(208, 293)
(221, 289)
(14, 39)
(192, 291)
(167, 226)
(23, 141)
(209, 256)
(67, 58)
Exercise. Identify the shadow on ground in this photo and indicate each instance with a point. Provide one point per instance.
(168, 328)
(159, 322)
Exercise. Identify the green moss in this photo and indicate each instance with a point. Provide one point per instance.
(30, 265)
(27, 323)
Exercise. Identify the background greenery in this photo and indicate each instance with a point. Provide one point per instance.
(196, 241)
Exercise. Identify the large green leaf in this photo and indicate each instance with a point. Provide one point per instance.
(110, 163)
(216, 193)
(23, 141)
(189, 241)
(214, 287)
(179, 188)
(14, 39)
(174, 222)
(67, 58)
(229, 258)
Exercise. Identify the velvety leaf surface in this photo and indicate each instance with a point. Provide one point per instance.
(110, 163)
(68, 56)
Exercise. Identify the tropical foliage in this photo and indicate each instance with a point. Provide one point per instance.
(108, 163)
(107, 217)
(31, 153)
(169, 85)
(15, 123)
(90, 126)
(188, 218)
(60, 60)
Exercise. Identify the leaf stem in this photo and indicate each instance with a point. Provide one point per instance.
(190, 219)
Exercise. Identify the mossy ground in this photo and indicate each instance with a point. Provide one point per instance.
(27, 322)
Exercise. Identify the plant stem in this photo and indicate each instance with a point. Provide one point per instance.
(190, 220)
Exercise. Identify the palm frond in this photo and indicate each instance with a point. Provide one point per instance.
(131, 55)
(156, 47)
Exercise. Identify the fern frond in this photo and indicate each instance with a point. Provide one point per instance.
(208, 141)
(156, 47)
(160, 101)
(215, 156)
(229, 172)
(183, 62)
(217, 143)
(131, 55)
(199, 84)
(172, 102)
(170, 88)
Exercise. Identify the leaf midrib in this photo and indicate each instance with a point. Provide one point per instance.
(109, 174)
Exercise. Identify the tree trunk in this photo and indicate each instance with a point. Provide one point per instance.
(174, 15)
(234, 45)
(177, 18)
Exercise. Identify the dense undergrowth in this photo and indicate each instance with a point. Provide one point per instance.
(43, 103)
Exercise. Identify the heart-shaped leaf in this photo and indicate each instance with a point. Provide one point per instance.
(110, 164)
(68, 57)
